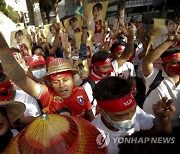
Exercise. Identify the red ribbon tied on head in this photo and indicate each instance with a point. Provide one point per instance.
(100, 63)
(118, 105)
(60, 74)
(170, 57)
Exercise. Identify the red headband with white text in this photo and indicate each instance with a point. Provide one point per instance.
(118, 105)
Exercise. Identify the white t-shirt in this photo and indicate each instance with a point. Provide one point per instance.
(125, 71)
(87, 87)
(32, 107)
(144, 121)
(167, 89)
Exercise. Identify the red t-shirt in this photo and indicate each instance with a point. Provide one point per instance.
(77, 102)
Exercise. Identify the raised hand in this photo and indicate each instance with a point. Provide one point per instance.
(164, 109)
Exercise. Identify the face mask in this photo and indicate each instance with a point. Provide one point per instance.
(122, 125)
(39, 73)
(175, 69)
(104, 74)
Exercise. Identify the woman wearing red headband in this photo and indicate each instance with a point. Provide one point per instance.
(120, 116)
(169, 84)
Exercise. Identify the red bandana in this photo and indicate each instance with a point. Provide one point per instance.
(100, 63)
(60, 74)
(170, 57)
(118, 105)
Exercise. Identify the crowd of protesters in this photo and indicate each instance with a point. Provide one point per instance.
(123, 93)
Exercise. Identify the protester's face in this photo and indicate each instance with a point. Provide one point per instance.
(120, 116)
(63, 85)
(103, 70)
(173, 26)
(95, 13)
(73, 24)
(172, 62)
(118, 54)
(18, 38)
(4, 125)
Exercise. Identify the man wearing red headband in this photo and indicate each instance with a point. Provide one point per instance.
(169, 85)
(61, 94)
(120, 116)
(102, 66)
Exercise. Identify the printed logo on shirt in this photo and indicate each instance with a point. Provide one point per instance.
(58, 98)
(103, 140)
(80, 100)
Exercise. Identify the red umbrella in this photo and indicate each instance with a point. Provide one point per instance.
(56, 134)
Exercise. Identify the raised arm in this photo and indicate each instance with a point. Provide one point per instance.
(14, 71)
(147, 63)
(129, 47)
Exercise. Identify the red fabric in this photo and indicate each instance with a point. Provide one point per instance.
(35, 60)
(100, 63)
(60, 74)
(94, 77)
(118, 105)
(73, 102)
(170, 57)
(98, 26)
(119, 48)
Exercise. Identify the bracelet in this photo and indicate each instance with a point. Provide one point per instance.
(84, 27)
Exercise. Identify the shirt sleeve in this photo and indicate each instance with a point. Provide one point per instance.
(149, 79)
(146, 120)
(44, 95)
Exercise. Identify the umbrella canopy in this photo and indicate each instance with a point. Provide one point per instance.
(56, 134)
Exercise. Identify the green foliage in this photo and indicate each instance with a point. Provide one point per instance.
(9, 11)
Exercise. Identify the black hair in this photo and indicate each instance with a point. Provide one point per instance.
(115, 45)
(98, 6)
(73, 19)
(100, 56)
(111, 88)
(36, 47)
(19, 32)
(170, 52)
